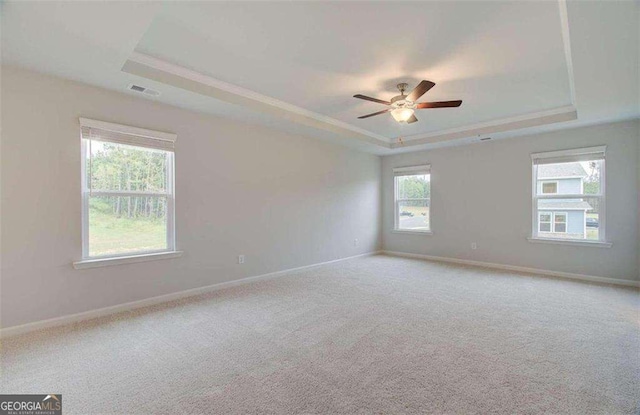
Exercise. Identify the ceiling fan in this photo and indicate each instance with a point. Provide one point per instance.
(403, 106)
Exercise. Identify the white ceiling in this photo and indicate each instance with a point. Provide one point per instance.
(296, 65)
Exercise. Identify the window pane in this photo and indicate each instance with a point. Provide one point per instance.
(580, 177)
(120, 225)
(413, 187)
(413, 215)
(572, 218)
(118, 167)
(593, 225)
(592, 181)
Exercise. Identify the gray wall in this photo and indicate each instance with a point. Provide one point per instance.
(284, 201)
(482, 193)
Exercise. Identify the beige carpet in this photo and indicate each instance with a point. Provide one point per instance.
(370, 335)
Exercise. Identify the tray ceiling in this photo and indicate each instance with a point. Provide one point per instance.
(296, 65)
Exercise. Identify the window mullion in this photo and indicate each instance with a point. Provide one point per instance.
(567, 196)
(120, 193)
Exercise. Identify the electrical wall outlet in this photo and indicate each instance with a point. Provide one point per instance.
(474, 245)
(240, 259)
(355, 242)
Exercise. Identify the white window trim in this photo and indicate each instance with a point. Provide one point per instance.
(574, 242)
(563, 209)
(137, 256)
(580, 152)
(410, 170)
(104, 262)
(547, 179)
(422, 169)
(127, 129)
(412, 231)
(574, 152)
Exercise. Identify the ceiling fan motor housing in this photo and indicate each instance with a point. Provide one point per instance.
(401, 101)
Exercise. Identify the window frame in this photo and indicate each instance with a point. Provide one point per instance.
(89, 261)
(579, 154)
(410, 171)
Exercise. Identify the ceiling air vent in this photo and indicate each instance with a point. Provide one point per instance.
(143, 90)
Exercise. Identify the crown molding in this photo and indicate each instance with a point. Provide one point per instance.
(170, 74)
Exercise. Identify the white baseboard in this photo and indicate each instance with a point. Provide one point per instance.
(591, 278)
(100, 312)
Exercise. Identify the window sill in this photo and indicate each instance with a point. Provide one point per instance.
(412, 232)
(594, 244)
(105, 262)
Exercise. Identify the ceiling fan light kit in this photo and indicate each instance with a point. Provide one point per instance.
(402, 107)
(402, 114)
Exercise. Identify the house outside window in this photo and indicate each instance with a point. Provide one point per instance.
(412, 199)
(568, 196)
(127, 191)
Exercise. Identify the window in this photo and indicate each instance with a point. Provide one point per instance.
(568, 196)
(560, 222)
(554, 222)
(549, 188)
(127, 190)
(412, 198)
(544, 225)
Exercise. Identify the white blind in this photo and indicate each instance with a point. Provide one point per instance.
(569, 156)
(123, 134)
(412, 170)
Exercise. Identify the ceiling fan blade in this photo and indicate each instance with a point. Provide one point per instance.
(439, 104)
(412, 119)
(375, 113)
(418, 91)
(366, 98)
